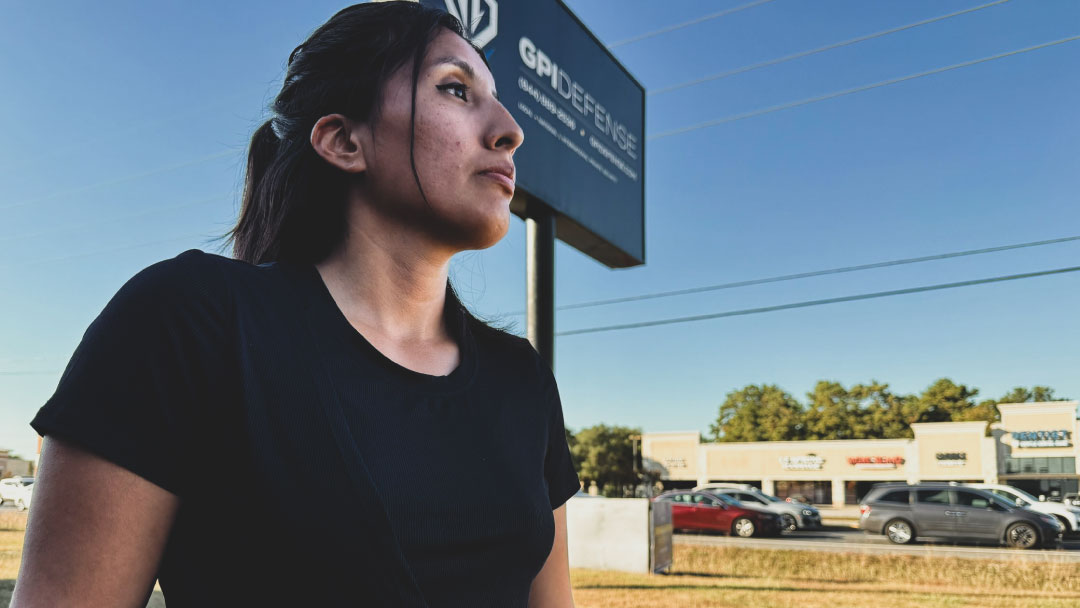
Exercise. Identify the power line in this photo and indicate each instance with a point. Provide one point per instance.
(119, 180)
(812, 273)
(808, 303)
(803, 102)
(679, 26)
(820, 49)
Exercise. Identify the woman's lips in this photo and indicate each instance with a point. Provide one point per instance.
(501, 179)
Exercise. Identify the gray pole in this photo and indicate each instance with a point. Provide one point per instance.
(540, 270)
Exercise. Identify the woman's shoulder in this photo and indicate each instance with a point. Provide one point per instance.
(198, 274)
(513, 353)
(192, 283)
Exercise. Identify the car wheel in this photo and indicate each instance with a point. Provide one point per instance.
(1021, 536)
(744, 527)
(899, 532)
(787, 522)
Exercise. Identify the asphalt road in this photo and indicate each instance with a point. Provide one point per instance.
(844, 540)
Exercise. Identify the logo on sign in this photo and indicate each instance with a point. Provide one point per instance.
(876, 462)
(675, 462)
(951, 459)
(1042, 439)
(810, 462)
(471, 16)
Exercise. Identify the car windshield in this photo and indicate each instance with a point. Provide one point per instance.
(770, 498)
(726, 499)
(1022, 494)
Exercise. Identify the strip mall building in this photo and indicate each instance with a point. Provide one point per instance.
(1032, 448)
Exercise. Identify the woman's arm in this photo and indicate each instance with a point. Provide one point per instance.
(95, 535)
(551, 588)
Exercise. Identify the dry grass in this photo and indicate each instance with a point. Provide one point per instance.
(13, 520)
(11, 544)
(740, 577)
(731, 576)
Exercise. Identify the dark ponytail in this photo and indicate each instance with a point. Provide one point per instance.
(294, 202)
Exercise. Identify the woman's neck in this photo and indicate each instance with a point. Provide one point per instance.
(387, 281)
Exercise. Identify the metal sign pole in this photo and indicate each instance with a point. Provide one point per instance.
(540, 271)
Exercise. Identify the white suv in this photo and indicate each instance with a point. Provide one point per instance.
(793, 515)
(18, 490)
(1068, 516)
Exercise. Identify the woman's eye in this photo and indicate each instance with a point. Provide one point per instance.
(458, 90)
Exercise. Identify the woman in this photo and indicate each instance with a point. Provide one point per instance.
(371, 443)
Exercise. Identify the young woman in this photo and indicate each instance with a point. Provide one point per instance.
(320, 422)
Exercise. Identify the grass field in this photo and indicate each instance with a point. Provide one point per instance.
(739, 577)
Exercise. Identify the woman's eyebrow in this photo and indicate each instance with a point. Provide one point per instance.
(464, 67)
(460, 63)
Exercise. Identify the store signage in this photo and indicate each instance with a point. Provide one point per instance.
(675, 462)
(1042, 439)
(876, 462)
(583, 115)
(951, 459)
(810, 462)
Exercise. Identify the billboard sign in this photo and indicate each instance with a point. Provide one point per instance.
(583, 116)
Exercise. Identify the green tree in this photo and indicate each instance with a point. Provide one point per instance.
(944, 401)
(833, 412)
(1034, 394)
(759, 413)
(605, 454)
(884, 413)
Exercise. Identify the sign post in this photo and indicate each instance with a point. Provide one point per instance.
(540, 271)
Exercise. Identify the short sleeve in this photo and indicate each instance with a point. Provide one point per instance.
(139, 383)
(559, 472)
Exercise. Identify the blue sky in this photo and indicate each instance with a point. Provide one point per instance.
(125, 126)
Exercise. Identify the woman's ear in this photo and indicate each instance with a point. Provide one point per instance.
(340, 141)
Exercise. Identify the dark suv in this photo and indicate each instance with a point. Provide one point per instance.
(903, 511)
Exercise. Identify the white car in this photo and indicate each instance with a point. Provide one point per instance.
(19, 490)
(793, 515)
(1068, 516)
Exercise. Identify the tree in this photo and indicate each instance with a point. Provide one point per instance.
(759, 413)
(944, 401)
(834, 412)
(1035, 394)
(885, 413)
(605, 454)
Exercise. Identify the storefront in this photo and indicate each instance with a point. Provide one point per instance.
(1032, 448)
(1039, 450)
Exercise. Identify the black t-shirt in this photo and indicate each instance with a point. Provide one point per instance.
(311, 469)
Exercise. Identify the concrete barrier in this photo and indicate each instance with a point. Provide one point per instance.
(612, 533)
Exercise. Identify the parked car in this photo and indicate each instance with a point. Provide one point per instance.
(1068, 515)
(1072, 498)
(692, 510)
(903, 512)
(793, 515)
(18, 490)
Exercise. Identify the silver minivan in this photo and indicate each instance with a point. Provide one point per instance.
(903, 512)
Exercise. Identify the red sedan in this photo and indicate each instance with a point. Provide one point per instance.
(706, 511)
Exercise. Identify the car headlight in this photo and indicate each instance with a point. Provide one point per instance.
(807, 512)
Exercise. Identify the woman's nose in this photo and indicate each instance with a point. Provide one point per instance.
(505, 132)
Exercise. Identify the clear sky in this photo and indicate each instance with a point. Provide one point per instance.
(125, 127)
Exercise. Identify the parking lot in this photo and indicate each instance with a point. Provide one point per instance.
(847, 540)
